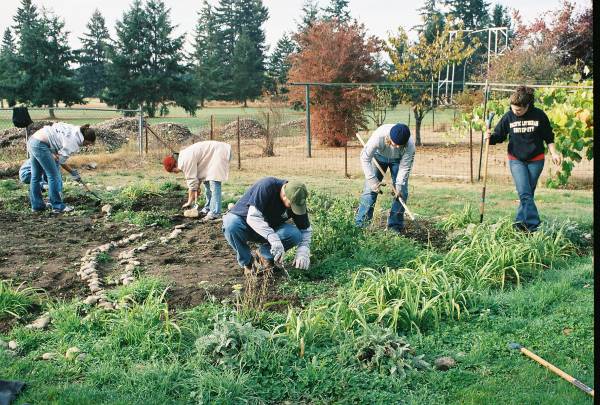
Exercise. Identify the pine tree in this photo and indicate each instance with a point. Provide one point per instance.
(225, 14)
(206, 53)
(433, 20)
(310, 15)
(9, 74)
(280, 64)
(472, 14)
(145, 66)
(246, 68)
(43, 59)
(501, 18)
(337, 9)
(93, 56)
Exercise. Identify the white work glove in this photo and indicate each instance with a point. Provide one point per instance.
(302, 259)
(277, 249)
(374, 184)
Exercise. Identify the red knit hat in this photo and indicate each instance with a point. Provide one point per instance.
(169, 163)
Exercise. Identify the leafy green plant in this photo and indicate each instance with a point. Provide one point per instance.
(15, 301)
(458, 219)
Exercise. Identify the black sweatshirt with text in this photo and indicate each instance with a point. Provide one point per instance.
(527, 133)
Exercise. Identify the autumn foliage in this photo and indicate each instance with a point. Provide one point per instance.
(333, 52)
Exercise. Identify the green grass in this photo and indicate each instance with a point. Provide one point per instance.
(353, 343)
(16, 300)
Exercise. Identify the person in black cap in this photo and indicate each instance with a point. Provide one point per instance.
(392, 147)
(261, 215)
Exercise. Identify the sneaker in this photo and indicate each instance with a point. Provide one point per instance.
(68, 208)
(205, 210)
(211, 217)
(48, 206)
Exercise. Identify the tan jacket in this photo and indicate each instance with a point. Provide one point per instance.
(204, 161)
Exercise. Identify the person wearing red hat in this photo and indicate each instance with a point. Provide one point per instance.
(392, 147)
(206, 162)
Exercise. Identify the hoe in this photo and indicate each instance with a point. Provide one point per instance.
(555, 370)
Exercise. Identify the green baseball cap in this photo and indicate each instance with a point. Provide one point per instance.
(296, 193)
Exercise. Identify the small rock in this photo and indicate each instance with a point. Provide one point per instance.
(128, 281)
(91, 300)
(81, 357)
(230, 206)
(445, 363)
(567, 331)
(106, 305)
(40, 323)
(13, 345)
(94, 289)
(72, 352)
(110, 188)
(48, 356)
(180, 226)
(107, 209)
(191, 213)
(134, 262)
(129, 267)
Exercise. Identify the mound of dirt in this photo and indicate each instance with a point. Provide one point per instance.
(15, 137)
(171, 132)
(292, 126)
(249, 129)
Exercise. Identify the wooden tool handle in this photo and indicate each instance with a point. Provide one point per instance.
(558, 371)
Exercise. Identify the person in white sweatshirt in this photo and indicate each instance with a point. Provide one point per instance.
(48, 146)
(204, 162)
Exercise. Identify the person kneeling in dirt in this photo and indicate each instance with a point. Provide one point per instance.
(48, 146)
(206, 162)
(392, 147)
(261, 215)
(527, 128)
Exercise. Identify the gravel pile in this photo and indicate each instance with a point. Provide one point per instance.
(15, 137)
(249, 129)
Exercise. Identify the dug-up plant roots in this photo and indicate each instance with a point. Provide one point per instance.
(256, 288)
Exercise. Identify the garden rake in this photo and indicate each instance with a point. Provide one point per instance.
(554, 369)
(395, 192)
(87, 189)
(488, 125)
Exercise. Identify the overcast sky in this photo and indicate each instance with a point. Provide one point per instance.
(379, 16)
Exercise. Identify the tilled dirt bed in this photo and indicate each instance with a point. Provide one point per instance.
(44, 251)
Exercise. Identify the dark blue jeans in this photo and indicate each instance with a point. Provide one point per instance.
(369, 198)
(238, 233)
(526, 175)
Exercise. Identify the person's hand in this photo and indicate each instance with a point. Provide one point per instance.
(75, 175)
(55, 156)
(374, 185)
(302, 259)
(277, 249)
(556, 159)
(488, 134)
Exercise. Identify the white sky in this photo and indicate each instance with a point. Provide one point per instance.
(379, 16)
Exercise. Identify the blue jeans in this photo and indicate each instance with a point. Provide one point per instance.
(369, 198)
(238, 233)
(526, 175)
(42, 161)
(25, 173)
(212, 189)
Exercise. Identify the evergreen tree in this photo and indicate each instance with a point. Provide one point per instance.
(310, 15)
(145, 66)
(9, 74)
(206, 54)
(501, 18)
(279, 64)
(43, 59)
(246, 68)
(337, 9)
(93, 56)
(225, 14)
(471, 14)
(433, 21)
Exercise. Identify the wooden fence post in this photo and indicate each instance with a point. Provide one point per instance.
(239, 150)
(211, 127)
(471, 148)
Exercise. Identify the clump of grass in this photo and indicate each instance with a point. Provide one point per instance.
(139, 290)
(458, 220)
(16, 300)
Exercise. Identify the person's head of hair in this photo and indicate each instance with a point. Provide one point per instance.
(522, 97)
(170, 163)
(89, 135)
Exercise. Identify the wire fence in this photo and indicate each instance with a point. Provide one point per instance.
(273, 141)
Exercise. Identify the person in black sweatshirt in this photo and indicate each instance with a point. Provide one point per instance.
(527, 128)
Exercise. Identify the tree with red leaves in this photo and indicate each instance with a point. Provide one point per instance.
(335, 52)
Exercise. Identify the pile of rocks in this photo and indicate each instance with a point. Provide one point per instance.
(250, 128)
(15, 137)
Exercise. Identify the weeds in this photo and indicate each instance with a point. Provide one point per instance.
(15, 301)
